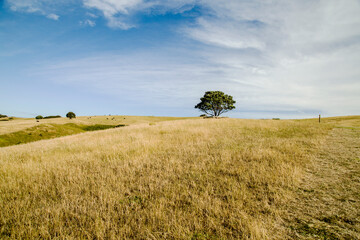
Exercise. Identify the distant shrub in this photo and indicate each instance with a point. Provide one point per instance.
(6, 119)
(203, 115)
(39, 117)
(276, 119)
(70, 115)
(57, 116)
(2, 116)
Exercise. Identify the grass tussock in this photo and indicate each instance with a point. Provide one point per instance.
(191, 179)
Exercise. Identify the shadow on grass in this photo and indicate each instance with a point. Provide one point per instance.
(49, 131)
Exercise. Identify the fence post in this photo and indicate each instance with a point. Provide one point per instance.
(319, 118)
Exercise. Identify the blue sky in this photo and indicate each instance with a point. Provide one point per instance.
(287, 59)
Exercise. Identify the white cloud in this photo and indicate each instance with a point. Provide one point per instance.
(289, 55)
(301, 54)
(53, 16)
(224, 34)
(114, 10)
(119, 12)
(91, 15)
(47, 8)
(298, 56)
(146, 77)
(88, 22)
(30, 6)
(113, 7)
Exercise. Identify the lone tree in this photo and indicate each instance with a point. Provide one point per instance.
(39, 117)
(70, 115)
(215, 103)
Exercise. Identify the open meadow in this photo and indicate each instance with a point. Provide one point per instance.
(24, 130)
(19, 124)
(289, 170)
(186, 179)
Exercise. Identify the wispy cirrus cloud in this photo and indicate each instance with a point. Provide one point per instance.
(88, 22)
(286, 56)
(302, 59)
(46, 8)
(116, 12)
(53, 16)
(119, 12)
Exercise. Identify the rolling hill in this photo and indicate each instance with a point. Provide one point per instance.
(186, 179)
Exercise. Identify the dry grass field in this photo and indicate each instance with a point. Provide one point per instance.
(186, 179)
(327, 203)
(20, 131)
(19, 124)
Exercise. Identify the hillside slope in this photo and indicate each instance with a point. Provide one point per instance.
(19, 131)
(327, 204)
(20, 124)
(188, 179)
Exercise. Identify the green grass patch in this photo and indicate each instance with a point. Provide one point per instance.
(5, 119)
(313, 231)
(48, 131)
(351, 128)
(100, 127)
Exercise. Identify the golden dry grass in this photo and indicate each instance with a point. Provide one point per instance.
(327, 203)
(19, 124)
(188, 179)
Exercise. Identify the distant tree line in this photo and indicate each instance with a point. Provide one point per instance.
(69, 115)
(47, 117)
(56, 116)
(2, 116)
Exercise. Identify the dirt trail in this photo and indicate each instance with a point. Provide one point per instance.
(327, 205)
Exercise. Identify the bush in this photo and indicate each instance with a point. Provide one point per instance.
(57, 116)
(2, 116)
(39, 117)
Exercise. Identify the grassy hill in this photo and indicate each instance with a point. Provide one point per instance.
(187, 179)
(18, 131)
(48, 131)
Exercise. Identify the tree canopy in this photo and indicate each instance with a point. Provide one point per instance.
(214, 103)
(70, 115)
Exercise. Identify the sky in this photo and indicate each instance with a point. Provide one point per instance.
(283, 59)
